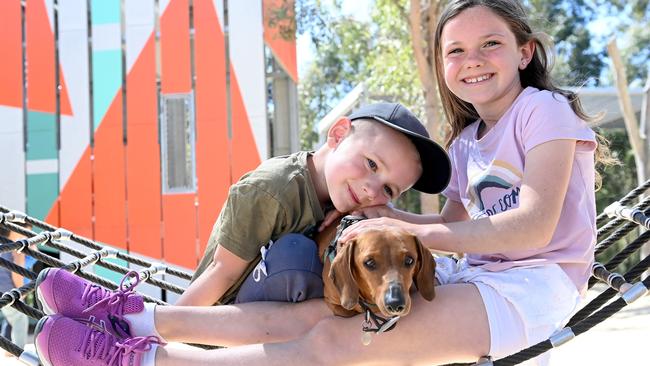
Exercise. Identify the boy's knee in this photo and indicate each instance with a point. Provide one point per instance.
(291, 272)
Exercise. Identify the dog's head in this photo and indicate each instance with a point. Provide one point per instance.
(381, 266)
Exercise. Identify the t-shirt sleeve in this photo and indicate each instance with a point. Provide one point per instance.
(247, 220)
(549, 116)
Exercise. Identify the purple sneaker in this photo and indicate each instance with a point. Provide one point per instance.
(64, 341)
(62, 292)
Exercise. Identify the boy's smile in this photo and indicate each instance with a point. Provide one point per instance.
(368, 164)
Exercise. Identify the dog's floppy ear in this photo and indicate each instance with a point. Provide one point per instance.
(425, 275)
(341, 275)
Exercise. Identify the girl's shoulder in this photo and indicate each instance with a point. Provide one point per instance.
(533, 98)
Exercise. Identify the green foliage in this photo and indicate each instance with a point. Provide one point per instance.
(618, 180)
(566, 23)
(631, 31)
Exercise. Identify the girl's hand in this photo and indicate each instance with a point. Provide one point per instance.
(378, 223)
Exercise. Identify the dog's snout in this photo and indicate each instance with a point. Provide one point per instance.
(394, 299)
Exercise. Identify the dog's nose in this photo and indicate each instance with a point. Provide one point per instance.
(394, 299)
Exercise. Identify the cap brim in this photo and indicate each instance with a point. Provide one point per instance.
(436, 167)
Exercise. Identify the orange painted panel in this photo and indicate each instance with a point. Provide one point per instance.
(40, 58)
(283, 49)
(175, 47)
(109, 179)
(53, 217)
(179, 233)
(11, 79)
(212, 147)
(75, 199)
(143, 156)
(178, 210)
(245, 156)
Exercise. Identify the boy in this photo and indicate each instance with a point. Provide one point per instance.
(369, 158)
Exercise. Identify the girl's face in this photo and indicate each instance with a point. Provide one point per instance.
(481, 60)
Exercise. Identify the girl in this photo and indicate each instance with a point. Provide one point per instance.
(520, 202)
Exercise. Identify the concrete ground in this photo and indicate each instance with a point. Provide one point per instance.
(620, 340)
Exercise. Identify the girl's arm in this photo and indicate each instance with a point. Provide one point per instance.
(218, 277)
(452, 211)
(529, 226)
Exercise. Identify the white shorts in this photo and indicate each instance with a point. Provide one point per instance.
(524, 305)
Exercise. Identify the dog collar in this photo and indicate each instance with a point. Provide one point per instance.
(346, 221)
(375, 323)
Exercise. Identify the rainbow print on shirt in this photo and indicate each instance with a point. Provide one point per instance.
(493, 190)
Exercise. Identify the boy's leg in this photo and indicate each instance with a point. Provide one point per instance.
(233, 325)
(290, 271)
(451, 328)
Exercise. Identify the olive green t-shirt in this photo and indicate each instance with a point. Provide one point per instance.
(276, 198)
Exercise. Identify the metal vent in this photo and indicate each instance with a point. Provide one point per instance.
(178, 144)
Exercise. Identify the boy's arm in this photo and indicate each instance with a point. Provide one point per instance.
(218, 277)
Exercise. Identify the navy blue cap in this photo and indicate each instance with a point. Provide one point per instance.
(436, 168)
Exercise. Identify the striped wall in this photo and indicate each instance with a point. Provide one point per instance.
(80, 123)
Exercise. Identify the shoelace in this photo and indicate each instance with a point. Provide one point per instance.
(103, 346)
(114, 301)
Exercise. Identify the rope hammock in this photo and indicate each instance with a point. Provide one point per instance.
(622, 219)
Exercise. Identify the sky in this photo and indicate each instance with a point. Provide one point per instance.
(357, 8)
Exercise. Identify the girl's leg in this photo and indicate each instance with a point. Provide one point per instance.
(232, 325)
(451, 328)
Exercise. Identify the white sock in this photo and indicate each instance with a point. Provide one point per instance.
(149, 357)
(143, 324)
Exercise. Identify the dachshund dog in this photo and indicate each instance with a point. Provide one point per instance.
(375, 270)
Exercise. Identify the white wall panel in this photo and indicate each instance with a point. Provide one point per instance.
(73, 56)
(246, 41)
(139, 17)
(12, 179)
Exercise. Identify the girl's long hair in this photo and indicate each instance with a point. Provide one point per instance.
(536, 74)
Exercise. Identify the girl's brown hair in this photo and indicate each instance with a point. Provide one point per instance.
(537, 74)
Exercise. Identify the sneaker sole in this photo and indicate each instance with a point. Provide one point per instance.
(37, 330)
(41, 277)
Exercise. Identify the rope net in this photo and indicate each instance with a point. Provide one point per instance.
(623, 220)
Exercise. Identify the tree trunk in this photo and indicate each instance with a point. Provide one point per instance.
(421, 29)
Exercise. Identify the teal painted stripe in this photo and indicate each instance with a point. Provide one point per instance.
(107, 79)
(105, 11)
(42, 191)
(41, 136)
(107, 273)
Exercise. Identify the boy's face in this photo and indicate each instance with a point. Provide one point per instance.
(368, 165)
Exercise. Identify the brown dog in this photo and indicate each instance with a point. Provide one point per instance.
(377, 267)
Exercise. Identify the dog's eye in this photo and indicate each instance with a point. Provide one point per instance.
(370, 264)
(408, 261)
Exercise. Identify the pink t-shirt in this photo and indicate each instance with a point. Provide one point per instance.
(487, 176)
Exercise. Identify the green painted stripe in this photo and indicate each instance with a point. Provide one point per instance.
(105, 11)
(107, 273)
(41, 136)
(107, 79)
(42, 191)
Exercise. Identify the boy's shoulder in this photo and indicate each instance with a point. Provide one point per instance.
(276, 173)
